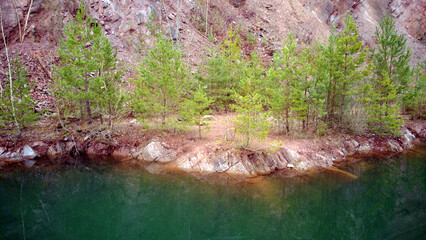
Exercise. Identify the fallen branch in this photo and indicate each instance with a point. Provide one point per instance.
(26, 20)
(43, 67)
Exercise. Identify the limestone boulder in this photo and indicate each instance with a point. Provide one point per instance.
(28, 153)
(155, 151)
(290, 155)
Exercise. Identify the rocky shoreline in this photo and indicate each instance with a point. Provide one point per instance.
(158, 157)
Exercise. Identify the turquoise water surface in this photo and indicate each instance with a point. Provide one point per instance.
(387, 201)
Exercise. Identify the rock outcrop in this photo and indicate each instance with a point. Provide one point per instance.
(158, 156)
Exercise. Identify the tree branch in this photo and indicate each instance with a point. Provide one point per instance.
(43, 67)
(26, 20)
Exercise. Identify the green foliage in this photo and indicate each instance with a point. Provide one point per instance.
(353, 55)
(285, 89)
(329, 73)
(390, 83)
(392, 56)
(341, 67)
(162, 81)
(251, 122)
(415, 99)
(196, 108)
(221, 72)
(89, 74)
(384, 117)
(22, 101)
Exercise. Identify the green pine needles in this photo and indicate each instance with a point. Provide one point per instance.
(16, 104)
(392, 74)
(162, 82)
(335, 86)
(88, 78)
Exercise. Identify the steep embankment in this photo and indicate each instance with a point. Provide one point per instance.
(125, 23)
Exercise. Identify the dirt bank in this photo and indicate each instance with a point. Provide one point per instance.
(162, 151)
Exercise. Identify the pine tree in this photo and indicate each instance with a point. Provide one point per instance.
(415, 99)
(392, 56)
(353, 55)
(195, 109)
(162, 81)
(329, 71)
(392, 75)
(383, 107)
(221, 72)
(23, 105)
(284, 83)
(251, 122)
(308, 107)
(89, 73)
(110, 96)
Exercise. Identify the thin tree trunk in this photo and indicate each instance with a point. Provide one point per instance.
(328, 106)
(287, 107)
(26, 21)
(89, 112)
(207, 16)
(342, 109)
(163, 120)
(333, 101)
(81, 110)
(286, 119)
(12, 100)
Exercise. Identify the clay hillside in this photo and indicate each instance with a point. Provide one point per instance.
(125, 23)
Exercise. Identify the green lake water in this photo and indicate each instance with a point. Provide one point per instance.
(387, 201)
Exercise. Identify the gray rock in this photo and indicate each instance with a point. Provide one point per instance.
(2, 150)
(221, 163)
(12, 157)
(290, 155)
(238, 169)
(112, 16)
(28, 152)
(141, 17)
(394, 146)
(106, 3)
(407, 138)
(29, 163)
(364, 147)
(155, 151)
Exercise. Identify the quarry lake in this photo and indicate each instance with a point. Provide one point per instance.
(387, 201)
